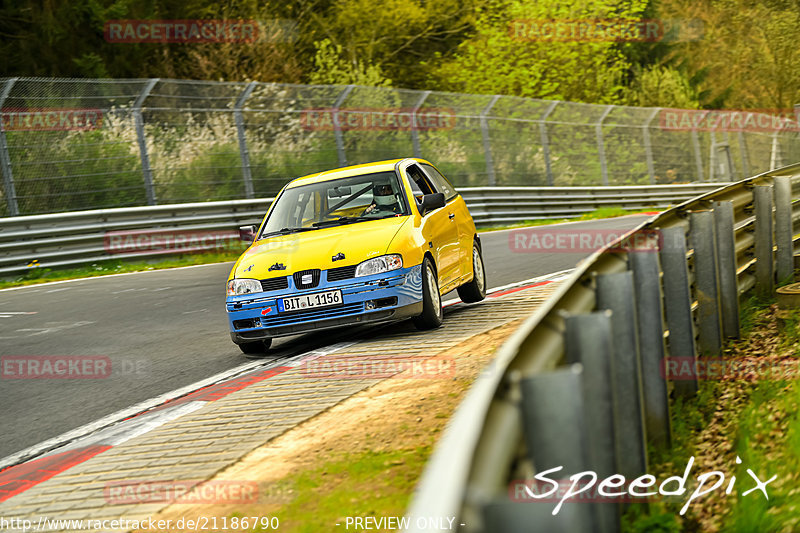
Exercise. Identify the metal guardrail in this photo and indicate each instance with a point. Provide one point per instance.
(75, 238)
(581, 383)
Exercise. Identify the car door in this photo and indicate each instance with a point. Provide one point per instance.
(460, 214)
(439, 228)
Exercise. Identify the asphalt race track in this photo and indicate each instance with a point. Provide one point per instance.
(162, 330)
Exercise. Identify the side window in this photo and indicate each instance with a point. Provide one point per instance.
(421, 181)
(440, 182)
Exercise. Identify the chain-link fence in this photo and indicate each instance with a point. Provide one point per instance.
(68, 144)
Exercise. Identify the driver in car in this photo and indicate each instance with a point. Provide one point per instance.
(384, 201)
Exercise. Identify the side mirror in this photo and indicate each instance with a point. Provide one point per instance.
(432, 201)
(247, 233)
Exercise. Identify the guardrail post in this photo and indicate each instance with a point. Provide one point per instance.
(703, 242)
(5, 159)
(648, 148)
(588, 341)
(556, 435)
(647, 287)
(615, 293)
(337, 127)
(601, 150)
(414, 130)
(726, 268)
(487, 145)
(147, 173)
(241, 134)
(765, 270)
(545, 140)
(784, 230)
(678, 308)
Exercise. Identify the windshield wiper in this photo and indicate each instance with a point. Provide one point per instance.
(285, 231)
(343, 220)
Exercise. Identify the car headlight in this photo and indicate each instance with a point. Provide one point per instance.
(384, 263)
(239, 286)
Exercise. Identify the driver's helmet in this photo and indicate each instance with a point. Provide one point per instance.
(383, 195)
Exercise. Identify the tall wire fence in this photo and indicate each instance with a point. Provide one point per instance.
(72, 144)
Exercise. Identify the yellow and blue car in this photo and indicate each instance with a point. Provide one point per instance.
(358, 245)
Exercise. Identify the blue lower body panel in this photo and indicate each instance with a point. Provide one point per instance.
(370, 299)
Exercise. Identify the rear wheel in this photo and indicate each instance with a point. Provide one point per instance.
(475, 290)
(432, 315)
(255, 347)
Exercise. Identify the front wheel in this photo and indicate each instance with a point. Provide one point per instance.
(255, 347)
(475, 290)
(432, 314)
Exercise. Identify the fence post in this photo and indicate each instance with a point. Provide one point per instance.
(545, 140)
(648, 148)
(784, 230)
(743, 154)
(765, 270)
(615, 293)
(647, 287)
(678, 306)
(775, 159)
(588, 341)
(140, 139)
(5, 157)
(240, 133)
(414, 130)
(726, 268)
(698, 155)
(601, 150)
(487, 145)
(337, 127)
(703, 242)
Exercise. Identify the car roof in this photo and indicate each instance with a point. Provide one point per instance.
(346, 172)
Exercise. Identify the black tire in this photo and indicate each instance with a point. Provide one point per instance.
(432, 314)
(255, 347)
(475, 290)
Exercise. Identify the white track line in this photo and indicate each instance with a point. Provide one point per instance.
(141, 407)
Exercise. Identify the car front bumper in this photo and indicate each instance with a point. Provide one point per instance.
(366, 300)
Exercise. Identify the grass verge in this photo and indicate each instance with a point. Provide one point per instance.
(746, 420)
(113, 266)
(603, 212)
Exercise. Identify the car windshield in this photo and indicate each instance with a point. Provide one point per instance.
(336, 202)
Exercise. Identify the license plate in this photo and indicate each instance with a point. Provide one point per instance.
(310, 301)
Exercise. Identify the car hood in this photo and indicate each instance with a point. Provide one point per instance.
(316, 249)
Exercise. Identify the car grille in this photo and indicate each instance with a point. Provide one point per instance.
(311, 315)
(275, 284)
(340, 273)
(298, 277)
